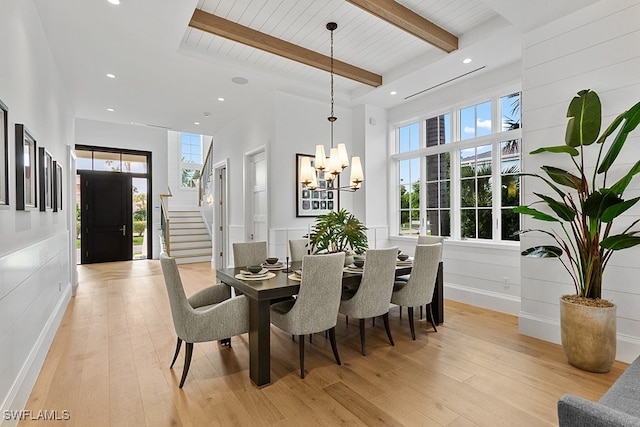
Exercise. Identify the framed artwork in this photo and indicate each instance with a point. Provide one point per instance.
(4, 154)
(57, 186)
(26, 174)
(45, 176)
(314, 202)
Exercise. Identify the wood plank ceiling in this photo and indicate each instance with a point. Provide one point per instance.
(367, 42)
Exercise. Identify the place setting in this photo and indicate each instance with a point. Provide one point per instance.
(356, 267)
(403, 259)
(273, 264)
(296, 275)
(255, 272)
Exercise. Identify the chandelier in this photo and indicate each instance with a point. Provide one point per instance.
(330, 168)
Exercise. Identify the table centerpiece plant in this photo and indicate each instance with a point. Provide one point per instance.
(338, 231)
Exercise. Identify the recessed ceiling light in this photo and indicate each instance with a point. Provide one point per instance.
(466, 60)
(220, 99)
(111, 76)
(116, 2)
(111, 110)
(240, 80)
(196, 123)
(393, 92)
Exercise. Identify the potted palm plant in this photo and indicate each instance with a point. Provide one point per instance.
(584, 207)
(338, 231)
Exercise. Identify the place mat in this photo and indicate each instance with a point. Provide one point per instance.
(268, 275)
(353, 269)
(294, 276)
(407, 262)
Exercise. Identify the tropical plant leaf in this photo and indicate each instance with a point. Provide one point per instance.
(544, 251)
(564, 212)
(620, 241)
(598, 202)
(619, 187)
(585, 114)
(536, 214)
(630, 120)
(557, 149)
(614, 211)
(562, 177)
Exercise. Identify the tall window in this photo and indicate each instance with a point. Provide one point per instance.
(459, 167)
(190, 159)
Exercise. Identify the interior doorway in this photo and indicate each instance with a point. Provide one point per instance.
(256, 170)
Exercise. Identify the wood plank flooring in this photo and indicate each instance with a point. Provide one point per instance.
(109, 366)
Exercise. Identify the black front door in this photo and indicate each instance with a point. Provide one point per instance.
(106, 217)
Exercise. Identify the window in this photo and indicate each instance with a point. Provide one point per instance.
(509, 188)
(409, 193)
(475, 121)
(462, 181)
(190, 159)
(476, 194)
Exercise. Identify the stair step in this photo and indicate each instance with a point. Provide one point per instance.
(181, 253)
(198, 244)
(196, 237)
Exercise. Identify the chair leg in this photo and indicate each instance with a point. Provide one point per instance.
(225, 342)
(301, 345)
(411, 325)
(385, 318)
(400, 307)
(420, 312)
(187, 362)
(362, 344)
(347, 319)
(373, 321)
(433, 321)
(175, 356)
(310, 338)
(334, 347)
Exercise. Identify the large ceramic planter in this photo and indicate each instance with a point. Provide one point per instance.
(588, 335)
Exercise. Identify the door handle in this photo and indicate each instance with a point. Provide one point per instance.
(123, 229)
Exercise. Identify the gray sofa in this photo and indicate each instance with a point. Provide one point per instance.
(620, 405)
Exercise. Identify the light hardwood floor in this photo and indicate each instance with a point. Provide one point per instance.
(109, 365)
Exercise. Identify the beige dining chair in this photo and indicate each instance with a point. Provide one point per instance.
(207, 315)
(298, 248)
(372, 297)
(418, 290)
(249, 253)
(316, 307)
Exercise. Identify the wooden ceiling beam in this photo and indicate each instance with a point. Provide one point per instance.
(230, 30)
(406, 19)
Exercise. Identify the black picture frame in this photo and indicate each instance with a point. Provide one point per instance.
(4, 154)
(57, 186)
(45, 176)
(311, 203)
(26, 171)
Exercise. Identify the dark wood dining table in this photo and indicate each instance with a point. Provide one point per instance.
(260, 293)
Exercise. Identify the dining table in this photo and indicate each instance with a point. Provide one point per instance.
(261, 293)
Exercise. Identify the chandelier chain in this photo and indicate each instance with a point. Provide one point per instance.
(332, 118)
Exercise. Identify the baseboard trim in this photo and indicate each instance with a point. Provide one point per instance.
(481, 298)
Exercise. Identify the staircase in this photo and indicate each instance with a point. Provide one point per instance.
(189, 239)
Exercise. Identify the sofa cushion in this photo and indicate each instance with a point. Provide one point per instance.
(624, 394)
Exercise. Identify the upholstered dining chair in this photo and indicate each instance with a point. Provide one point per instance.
(371, 298)
(316, 307)
(298, 248)
(207, 315)
(249, 253)
(418, 291)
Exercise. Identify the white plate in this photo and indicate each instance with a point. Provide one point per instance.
(276, 265)
(268, 275)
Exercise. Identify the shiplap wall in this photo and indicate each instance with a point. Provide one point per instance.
(595, 48)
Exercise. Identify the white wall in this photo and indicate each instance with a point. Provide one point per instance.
(35, 272)
(595, 48)
(133, 137)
